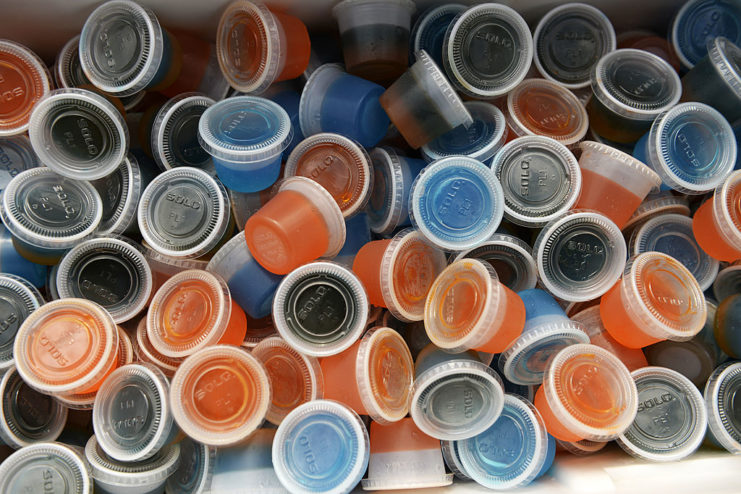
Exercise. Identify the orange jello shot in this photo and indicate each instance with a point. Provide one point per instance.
(193, 310)
(587, 393)
(717, 223)
(24, 80)
(145, 351)
(613, 183)
(398, 273)
(469, 308)
(66, 346)
(301, 223)
(373, 377)
(656, 299)
(220, 395)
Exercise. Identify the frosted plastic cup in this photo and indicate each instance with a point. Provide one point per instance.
(717, 223)
(727, 282)
(18, 300)
(511, 258)
(699, 22)
(24, 470)
(24, 80)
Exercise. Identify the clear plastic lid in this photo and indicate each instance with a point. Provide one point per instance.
(26, 79)
(67, 68)
(699, 22)
(569, 40)
(635, 84)
(386, 203)
(338, 164)
(727, 282)
(510, 257)
(131, 416)
(671, 419)
(175, 133)
(47, 463)
(18, 299)
(195, 471)
(190, 311)
(456, 202)
(17, 155)
(46, 210)
(672, 235)
(145, 351)
(663, 202)
(540, 178)
(428, 32)
(452, 457)
(295, 378)
(722, 393)
(122, 46)
(66, 346)
(110, 271)
(167, 265)
(312, 97)
(725, 56)
(580, 255)
(488, 50)
(78, 134)
(590, 392)
(120, 192)
(320, 308)
(354, 13)
(183, 212)
(220, 395)
(692, 148)
(245, 129)
(726, 212)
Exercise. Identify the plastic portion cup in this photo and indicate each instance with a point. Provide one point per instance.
(657, 299)
(581, 448)
(631, 88)
(695, 359)
(717, 223)
(423, 105)
(404, 443)
(165, 267)
(654, 204)
(613, 183)
(727, 282)
(46, 463)
(246, 137)
(16, 155)
(398, 273)
(428, 32)
(18, 299)
(487, 50)
(707, 334)
(195, 472)
(700, 21)
(569, 40)
(722, 393)
(339, 165)
(147, 353)
(468, 308)
(66, 346)
(24, 80)
(510, 257)
(183, 212)
(120, 192)
(725, 326)
(540, 178)
(452, 459)
(454, 396)
(456, 203)
(257, 46)
(301, 223)
(320, 309)
(642, 39)
(587, 393)
(480, 141)
(175, 133)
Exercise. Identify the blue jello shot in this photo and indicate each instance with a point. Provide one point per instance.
(12, 262)
(428, 32)
(699, 21)
(547, 331)
(246, 136)
(321, 446)
(289, 100)
(457, 203)
(250, 285)
(335, 101)
(358, 233)
(691, 147)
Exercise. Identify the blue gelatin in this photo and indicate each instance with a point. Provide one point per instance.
(252, 177)
(539, 303)
(358, 234)
(12, 262)
(289, 100)
(549, 457)
(702, 21)
(165, 63)
(428, 33)
(432, 357)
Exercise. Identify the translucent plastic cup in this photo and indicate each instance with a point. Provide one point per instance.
(721, 393)
(16, 155)
(24, 469)
(428, 31)
(24, 81)
(18, 299)
(717, 223)
(147, 353)
(642, 39)
(510, 257)
(120, 192)
(175, 133)
(695, 359)
(727, 317)
(727, 282)
(699, 21)
(654, 204)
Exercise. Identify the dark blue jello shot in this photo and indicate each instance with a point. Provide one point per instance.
(246, 136)
(16, 155)
(289, 100)
(335, 101)
(699, 21)
(428, 32)
(11, 262)
(456, 203)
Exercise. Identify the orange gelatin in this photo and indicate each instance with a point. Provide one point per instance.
(190, 57)
(608, 197)
(340, 379)
(512, 324)
(544, 110)
(553, 425)
(403, 435)
(298, 46)
(236, 330)
(619, 324)
(367, 265)
(707, 235)
(187, 312)
(23, 81)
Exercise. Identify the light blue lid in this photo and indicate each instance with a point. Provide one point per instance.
(699, 21)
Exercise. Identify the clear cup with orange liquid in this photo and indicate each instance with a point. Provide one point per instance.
(146, 352)
(24, 80)
(717, 223)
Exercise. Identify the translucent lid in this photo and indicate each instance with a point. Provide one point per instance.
(409, 267)
(54, 464)
(569, 40)
(18, 299)
(320, 308)
(321, 446)
(456, 202)
(338, 164)
(386, 202)
(635, 84)
(245, 129)
(24, 80)
(67, 68)
(480, 140)
(671, 419)
(580, 255)
(428, 32)
(66, 345)
(220, 395)
(17, 155)
(487, 50)
(722, 394)
(195, 471)
(726, 212)
(511, 452)
(727, 282)
(452, 457)
(295, 378)
(540, 178)
(121, 47)
(175, 133)
(190, 311)
(110, 271)
(590, 392)
(120, 192)
(183, 212)
(584, 447)
(725, 57)
(145, 351)
(510, 257)
(662, 297)
(692, 148)
(700, 21)
(312, 96)
(78, 134)
(672, 234)
(44, 209)
(663, 202)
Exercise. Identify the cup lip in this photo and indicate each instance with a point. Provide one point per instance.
(454, 112)
(319, 80)
(131, 191)
(719, 51)
(111, 472)
(428, 16)
(624, 159)
(41, 77)
(718, 422)
(223, 261)
(204, 469)
(73, 460)
(387, 158)
(401, 4)
(31, 298)
(144, 347)
(161, 145)
(62, 75)
(721, 214)
(523, 250)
